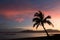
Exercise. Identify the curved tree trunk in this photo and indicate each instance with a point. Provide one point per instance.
(45, 30)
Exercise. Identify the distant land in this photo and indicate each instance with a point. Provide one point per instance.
(32, 31)
(29, 31)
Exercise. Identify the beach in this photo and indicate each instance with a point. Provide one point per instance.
(54, 37)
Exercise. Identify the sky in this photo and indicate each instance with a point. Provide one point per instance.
(19, 13)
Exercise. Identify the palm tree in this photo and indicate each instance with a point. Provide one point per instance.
(39, 19)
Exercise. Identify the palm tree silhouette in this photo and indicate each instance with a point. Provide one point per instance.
(41, 20)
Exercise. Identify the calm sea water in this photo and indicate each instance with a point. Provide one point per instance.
(22, 35)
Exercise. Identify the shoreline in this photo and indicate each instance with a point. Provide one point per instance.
(54, 37)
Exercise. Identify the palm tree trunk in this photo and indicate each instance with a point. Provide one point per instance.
(45, 31)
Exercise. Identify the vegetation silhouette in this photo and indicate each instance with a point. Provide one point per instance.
(39, 19)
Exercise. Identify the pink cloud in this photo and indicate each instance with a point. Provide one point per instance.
(19, 20)
(12, 14)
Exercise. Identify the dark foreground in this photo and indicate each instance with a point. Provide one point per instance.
(54, 37)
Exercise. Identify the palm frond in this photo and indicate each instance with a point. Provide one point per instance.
(42, 24)
(41, 15)
(36, 14)
(36, 19)
(35, 24)
(48, 17)
(47, 21)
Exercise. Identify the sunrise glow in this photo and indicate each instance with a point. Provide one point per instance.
(19, 13)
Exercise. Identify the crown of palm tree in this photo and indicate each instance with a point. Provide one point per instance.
(40, 20)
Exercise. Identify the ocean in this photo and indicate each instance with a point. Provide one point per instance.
(22, 35)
